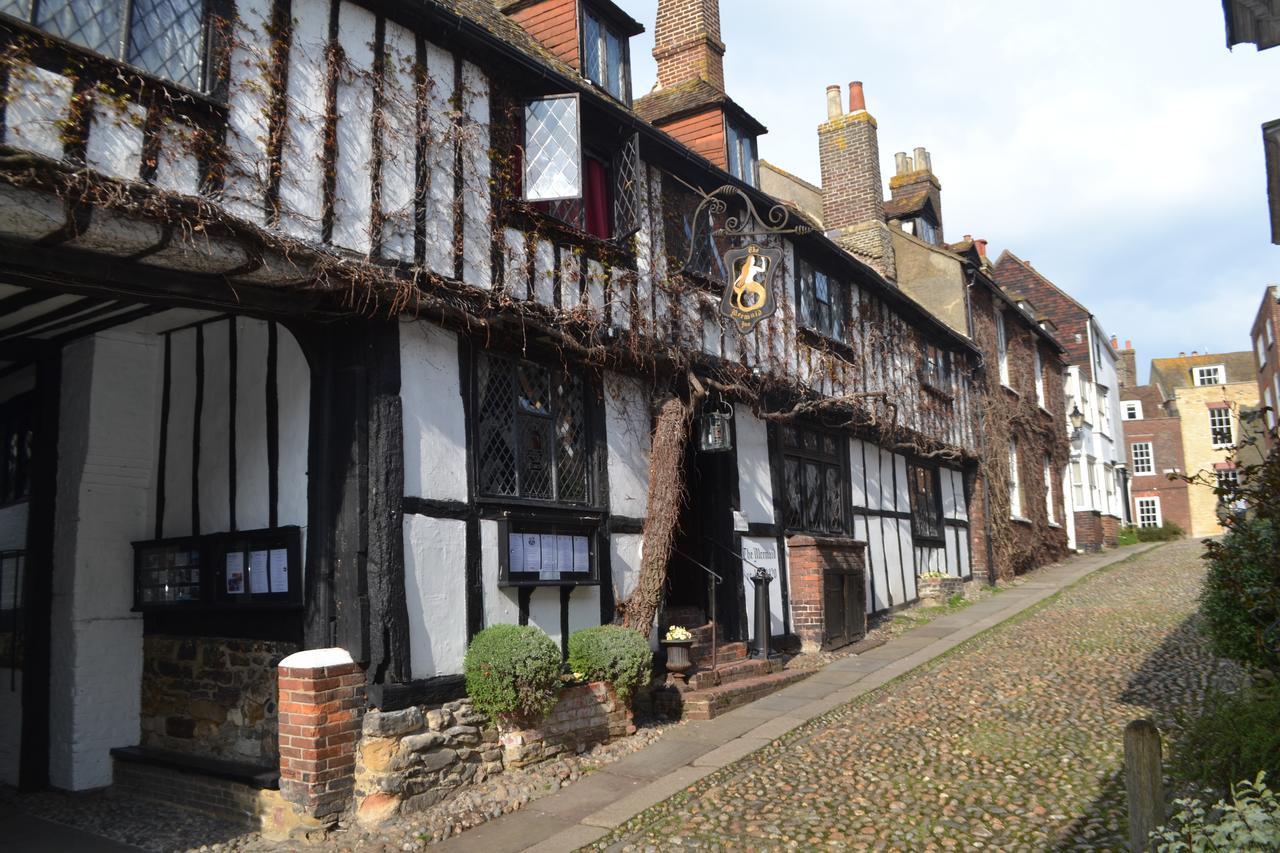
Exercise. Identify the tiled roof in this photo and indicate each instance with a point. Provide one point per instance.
(1171, 373)
(692, 96)
(906, 205)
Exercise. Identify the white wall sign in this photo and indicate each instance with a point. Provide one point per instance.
(762, 552)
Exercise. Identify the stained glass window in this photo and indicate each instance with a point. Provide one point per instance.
(815, 480)
(531, 432)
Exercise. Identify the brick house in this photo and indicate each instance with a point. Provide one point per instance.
(1259, 24)
(1153, 447)
(1098, 471)
(1266, 349)
(1215, 396)
(345, 333)
(1024, 453)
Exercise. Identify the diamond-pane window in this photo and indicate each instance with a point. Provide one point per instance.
(626, 189)
(815, 480)
(553, 149)
(95, 25)
(165, 37)
(17, 8)
(531, 432)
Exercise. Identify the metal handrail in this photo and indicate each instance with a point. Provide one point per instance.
(711, 603)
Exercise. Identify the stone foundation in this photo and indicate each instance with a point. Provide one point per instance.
(211, 697)
(410, 760)
(1110, 531)
(939, 590)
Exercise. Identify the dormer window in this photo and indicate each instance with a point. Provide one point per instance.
(606, 56)
(167, 38)
(742, 152)
(922, 228)
(1212, 375)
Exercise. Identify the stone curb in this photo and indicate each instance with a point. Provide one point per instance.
(720, 742)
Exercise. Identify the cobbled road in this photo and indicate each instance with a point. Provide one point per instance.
(1012, 742)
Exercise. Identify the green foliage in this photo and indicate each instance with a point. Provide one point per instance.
(1236, 736)
(513, 671)
(1241, 598)
(1251, 821)
(1164, 533)
(614, 654)
(1128, 535)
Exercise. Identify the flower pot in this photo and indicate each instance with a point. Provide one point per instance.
(678, 661)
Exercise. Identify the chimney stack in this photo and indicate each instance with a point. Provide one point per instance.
(915, 177)
(982, 247)
(852, 193)
(686, 43)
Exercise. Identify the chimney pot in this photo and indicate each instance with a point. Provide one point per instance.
(982, 247)
(857, 98)
(834, 110)
(902, 162)
(1115, 343)
(1182, 355)
(1128, 344)
(922, 160)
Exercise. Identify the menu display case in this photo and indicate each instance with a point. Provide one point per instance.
(258, 568)
(535, 552)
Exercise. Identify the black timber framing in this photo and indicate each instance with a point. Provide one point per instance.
(33, 768)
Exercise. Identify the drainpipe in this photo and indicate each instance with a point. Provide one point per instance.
(986, 484)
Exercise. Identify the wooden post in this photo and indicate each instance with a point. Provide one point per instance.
(1143, 771)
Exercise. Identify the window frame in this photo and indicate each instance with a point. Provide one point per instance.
(17, 414)
(839, 462)
(606, 29)
(210, 73)
(1153, 503)
(590, 405)
(1216, 413)
(735, 136)
(1149, 458)
(1038, 364)
(928, 522)
(1048, 490)
(807, 274)
(1230, 475)
(1002, 349)
(1015, 482)
(1124, 410)
(1219, 370)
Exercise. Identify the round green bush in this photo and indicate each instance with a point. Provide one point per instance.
(513, 671)
(614, 654)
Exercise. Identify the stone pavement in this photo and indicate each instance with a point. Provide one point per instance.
(781, 784)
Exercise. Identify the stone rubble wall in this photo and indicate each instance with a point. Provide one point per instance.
(212, 697)
(409, 760)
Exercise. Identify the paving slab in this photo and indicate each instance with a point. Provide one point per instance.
(594, 792)
(578, 835)
(625, 808)
(516, 831)
(776, 728)
(732, 751)
(661, 758)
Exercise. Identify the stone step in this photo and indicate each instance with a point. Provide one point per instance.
(713, 701)
(731, 672)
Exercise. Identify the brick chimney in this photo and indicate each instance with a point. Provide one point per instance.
(914, 176)
(852, 192)
(1127, 366)
(686, 43)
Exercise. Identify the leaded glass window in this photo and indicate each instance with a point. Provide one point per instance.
(823, 303)
(926, 502)
(741, 150)
(552, 149)
(531, 432)
(167, 38)
(605, 59)
(689, 236)
(815, 481)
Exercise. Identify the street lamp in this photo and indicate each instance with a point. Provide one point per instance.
(1077, 418)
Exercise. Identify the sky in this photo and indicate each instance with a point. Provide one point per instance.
(1115, 145)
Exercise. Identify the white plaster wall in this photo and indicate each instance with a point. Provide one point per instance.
(584, 608)
(755, 483)
(353, 184)
(629, 441)
(625, 552)
(501, 606)
(11, 731)
(544, 611)
(252, 489)
(106, 456)
(435, 436)
(477, 236)
(13, 527)
(399, 113)
(435, 557)
(114, 146)
(215, 430)
(515, 264)
(244, 190)
(302, 160)
(293, 377)
(544, 272)
(180, 431)
(441, 145)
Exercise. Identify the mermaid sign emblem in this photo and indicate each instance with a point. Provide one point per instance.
(748, 296)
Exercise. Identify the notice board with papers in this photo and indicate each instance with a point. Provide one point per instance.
(534, 552)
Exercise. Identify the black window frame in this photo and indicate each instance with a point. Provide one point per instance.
(937, 368)
(17, 418)
(746, 142)
(606, 28)
(838, 323)
(928, 521)
(210, 75)
(680, 231)
(590, 404)
(796, 457)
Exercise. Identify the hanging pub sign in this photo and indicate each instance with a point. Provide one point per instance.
(748, 295)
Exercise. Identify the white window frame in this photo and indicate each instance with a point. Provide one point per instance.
(1232, 475)
(1216, 420)
(1124, 410)
(1269, 400)
(1153, 504)
(537, 185)
(1218, 370)
(1077, 483)
(1039, 368)
(1260, 349)
(1146, 463)
(1048, 489)
(1104, 412)
(1002, 348)
(1015, 490)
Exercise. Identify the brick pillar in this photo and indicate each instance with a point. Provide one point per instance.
(321, 707)
(809, 558)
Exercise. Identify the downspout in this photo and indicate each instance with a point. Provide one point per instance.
(986, 485)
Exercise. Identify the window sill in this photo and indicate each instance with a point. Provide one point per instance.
(1021, 520)
(937, 391)
(1055, 525)
(557, 228)
(1009, 388)
(818, 340)
(1046, 411)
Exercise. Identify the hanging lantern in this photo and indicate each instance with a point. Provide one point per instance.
(715, 436)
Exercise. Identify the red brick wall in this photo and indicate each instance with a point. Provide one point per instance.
(320, 716)
(1165, 436)
(1269, 311)
(1089, 535)
(808, 559)
(686, 42)
(1110, 531)
(555, 24)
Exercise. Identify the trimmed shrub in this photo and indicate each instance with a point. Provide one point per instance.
(1240, 603)
(1236, 736)
(513, 671)
(1251, 821)
(614, 654)
(1166, 532)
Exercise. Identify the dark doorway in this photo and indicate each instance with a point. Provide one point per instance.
(705, 536)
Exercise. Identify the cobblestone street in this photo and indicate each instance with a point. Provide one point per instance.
(1012, 742)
